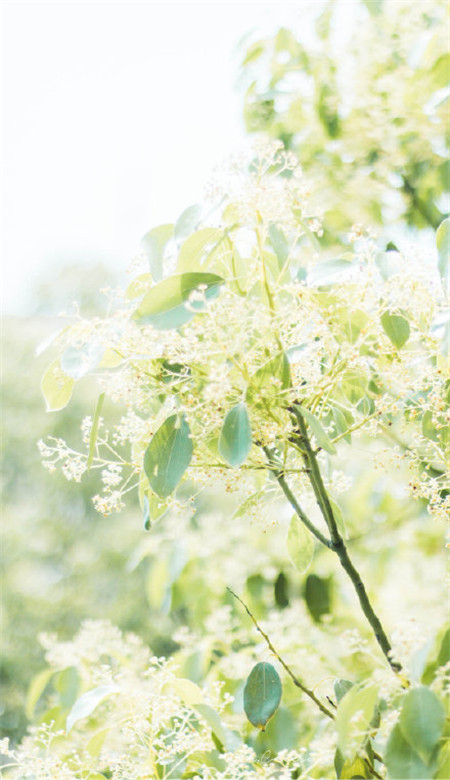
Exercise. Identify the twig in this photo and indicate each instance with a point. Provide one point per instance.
(291, 674)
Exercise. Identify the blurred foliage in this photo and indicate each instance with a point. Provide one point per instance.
(363, 105)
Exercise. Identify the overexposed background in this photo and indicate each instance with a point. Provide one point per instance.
(114, 116)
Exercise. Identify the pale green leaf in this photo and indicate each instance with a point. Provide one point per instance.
(443, 246)
(76, 362)
(354, 714)
(138, 286)
(319, 432)
(193, 255)
(36, 689)
(168, 455)
(262, 694)
(88, 702)
(279, 243)
(187, 221)
(154, 244)
(402, 761)
(235, 439)
(300, 545)
(341, 687)
(94, 430)
(56, 387)
(329, 271)
(422, 720)
(396, 328)
(164, 307)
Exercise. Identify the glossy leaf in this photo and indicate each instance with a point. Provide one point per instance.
(319, 432)
(88, 702)
(154, 243)
(187, 221)
(168, 455)
(164, 306)
(422, 720)
(443, 246)
(235, 439)
(193, 255)
(56, 387)
(300, 545)
(396, 328)
(262, 694)
(402, 761)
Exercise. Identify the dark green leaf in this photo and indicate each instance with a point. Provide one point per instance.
(168, 455)
(322, 437)
(262, 694)
(164, 306)
(318, 596)
(402, 761)
(422, 720)
(154, 243)
(396, 328)
(281, 590)
(236, 436)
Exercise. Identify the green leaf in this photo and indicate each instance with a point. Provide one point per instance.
(374, 6)
(56, 387)
(193, 250)
(235, 439)
(276, 368)
(341, 687)
(229, 739)
(36, 689)
(168, 455)
(328, 271)
(422, 720)
(353, 718)
(317, 596)
(314, 423)
(402, 761)
(187, 221)
(279, 243)
(262, 694)
(164, 305)
(396, 328)
(154, 243)
(78, 361)
(443, 246)
(94, 430)
(138, 286)
(300, 545)
(354, 767)
(88, 702)
(67, 683)
(428, 428)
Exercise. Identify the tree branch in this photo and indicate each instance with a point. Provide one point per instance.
(298, 683)
(338, 545)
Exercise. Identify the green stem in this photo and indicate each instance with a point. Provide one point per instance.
(338, 545)
(278, 473)
(297, 682)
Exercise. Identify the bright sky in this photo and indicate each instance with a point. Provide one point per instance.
(115, 115)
